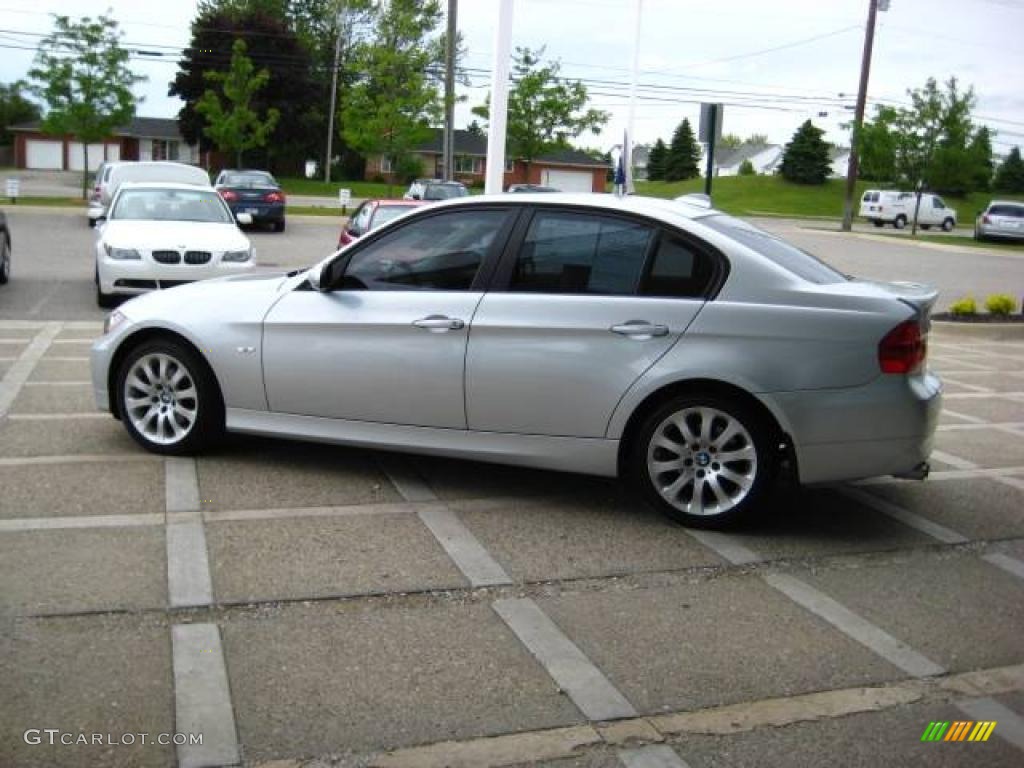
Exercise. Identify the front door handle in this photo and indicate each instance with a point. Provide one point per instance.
(639, 329)
(439, 323)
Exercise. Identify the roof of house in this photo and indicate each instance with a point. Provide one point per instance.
(731, 157)
(468, 143)
(139, 127)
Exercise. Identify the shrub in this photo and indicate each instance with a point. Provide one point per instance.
(746, 168)
(1000, 304)
(965, 306)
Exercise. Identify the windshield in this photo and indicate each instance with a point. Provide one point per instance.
(171, 205)
(787, 256)
(250, 179)
(444, 191)
(386, 213)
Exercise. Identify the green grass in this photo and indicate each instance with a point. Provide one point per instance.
(773, 195)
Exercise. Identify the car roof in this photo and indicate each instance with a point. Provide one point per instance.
(399, 201)
(164, 185)
(657, 207)
(1018, 203)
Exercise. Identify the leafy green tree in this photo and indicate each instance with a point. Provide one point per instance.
(981, 164)
(683, 158)
(729, 141)
(475, 128)
(656, 160)
(232, 124)
(545, 110)
(1010, 176)
(758, 139)
(391, 107)
(81, 73)
(296, 87)
(876, 146)
(806, 157)
(746, 169)
(14, 109)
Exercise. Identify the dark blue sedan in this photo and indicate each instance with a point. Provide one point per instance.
(256, 193)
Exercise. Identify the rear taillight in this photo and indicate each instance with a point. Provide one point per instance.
(229, 194)
(985, 219)
(903, 350)
(274, 197)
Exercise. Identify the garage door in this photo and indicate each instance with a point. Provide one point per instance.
(44, 155)
(568, 181)
(76, 156)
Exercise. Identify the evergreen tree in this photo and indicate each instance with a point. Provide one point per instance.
(656, 159)
(683, 158)
(1010, 176)
(806, 158)
(980, 153)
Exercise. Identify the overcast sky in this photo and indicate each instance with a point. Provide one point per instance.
(773, 64)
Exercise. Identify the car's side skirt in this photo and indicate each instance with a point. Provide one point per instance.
(592, 456)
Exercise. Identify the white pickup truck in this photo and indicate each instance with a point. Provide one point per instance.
(882, 207)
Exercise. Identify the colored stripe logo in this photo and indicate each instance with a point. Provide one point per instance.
(959, 730)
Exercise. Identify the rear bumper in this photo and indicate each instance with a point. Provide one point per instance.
(883, 428)
(259, 211)
(1002, 234)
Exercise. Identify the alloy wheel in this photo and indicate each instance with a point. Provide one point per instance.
(702, 461)
(161, 398)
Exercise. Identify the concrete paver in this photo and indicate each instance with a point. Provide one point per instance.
(452, 480)
(989, 408)
(77, 398)
(65, 437)
(326, 556)
(985, 448)
(60, 370)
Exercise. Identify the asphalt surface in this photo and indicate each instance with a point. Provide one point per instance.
(311, 605)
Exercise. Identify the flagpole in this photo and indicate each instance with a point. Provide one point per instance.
(631, 122)
(498, 119)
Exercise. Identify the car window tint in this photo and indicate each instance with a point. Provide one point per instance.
(441, 253)
(937, 202)
(678, 269)
(581, 253)
(361, 219)
(1013, 211)
(386, 213)
(775, 249)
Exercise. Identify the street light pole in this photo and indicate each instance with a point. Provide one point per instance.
(334, 96)
(448, 150)
(858, 116)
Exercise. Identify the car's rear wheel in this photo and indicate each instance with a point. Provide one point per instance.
(5, 259)
(900, 222)
(168, 398)
(947, 225)
(704, 460)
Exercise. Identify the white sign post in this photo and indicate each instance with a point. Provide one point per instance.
(14, 189)
(344, 197)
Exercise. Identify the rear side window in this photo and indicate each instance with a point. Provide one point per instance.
(1012, 211)
(566, 252)
(678, 270)
(775, 249)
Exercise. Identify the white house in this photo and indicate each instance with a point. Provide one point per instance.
(765, 158)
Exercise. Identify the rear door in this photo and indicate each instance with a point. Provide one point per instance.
(583, 304)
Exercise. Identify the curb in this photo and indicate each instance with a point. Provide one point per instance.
(986, 331)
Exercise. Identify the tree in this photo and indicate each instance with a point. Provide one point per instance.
(980, 153)
(1010, 176)
(544, 109)
(296, 87)
(806, 158)
(758, 139)
(475, 129)
(746, 169)
(390, 108)
(683, 158)
(81, 73)
(876, 146)
(234, 126)
(14, 109)
(729, 141)
(656, 160)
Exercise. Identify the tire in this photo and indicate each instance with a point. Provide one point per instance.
(105, 300)
(878, 223)
(92, 222)
(279, 226)
(900, 222)
(947, 225)
(5, 259)
(666, 469)
(188, 414)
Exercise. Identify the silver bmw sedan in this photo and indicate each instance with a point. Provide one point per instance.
(661, 341)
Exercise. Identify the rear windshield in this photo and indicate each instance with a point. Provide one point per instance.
(1013, 211)
(250, 179)
(789, 257)
(386, 213)
(443, 191)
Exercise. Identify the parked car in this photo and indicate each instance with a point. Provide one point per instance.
(159, 235)
(372, 214)
(897, 208)
(531, 188)
(664, 342)
(5, 250)
(256, 193)
(1002, 219)
(435, 189)
(116, 173)
(97, 207)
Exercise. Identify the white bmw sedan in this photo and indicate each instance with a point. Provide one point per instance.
(158, 235)
(661, 341)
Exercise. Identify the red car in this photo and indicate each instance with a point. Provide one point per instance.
(371, 214)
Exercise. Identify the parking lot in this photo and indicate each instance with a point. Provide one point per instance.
(310, 605)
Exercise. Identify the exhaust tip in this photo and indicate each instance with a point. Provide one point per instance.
(920, 472)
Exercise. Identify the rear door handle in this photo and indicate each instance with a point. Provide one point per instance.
(639, 329)
(439, 323)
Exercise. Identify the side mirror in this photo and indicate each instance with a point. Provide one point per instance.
(244, 218)
(315, 276)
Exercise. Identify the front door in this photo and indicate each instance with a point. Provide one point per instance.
(387, 343)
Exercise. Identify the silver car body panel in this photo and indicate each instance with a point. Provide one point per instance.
(541, 380)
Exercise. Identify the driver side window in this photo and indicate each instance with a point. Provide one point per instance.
(439, 253)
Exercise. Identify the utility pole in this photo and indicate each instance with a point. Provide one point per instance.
(858, 115)
(498, 122)
(448, 150)
(334, 94)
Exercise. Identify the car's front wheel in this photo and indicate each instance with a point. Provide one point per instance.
(947, 225)
(168, 398)
(704, 460)
(900, 221)
(5, 259)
